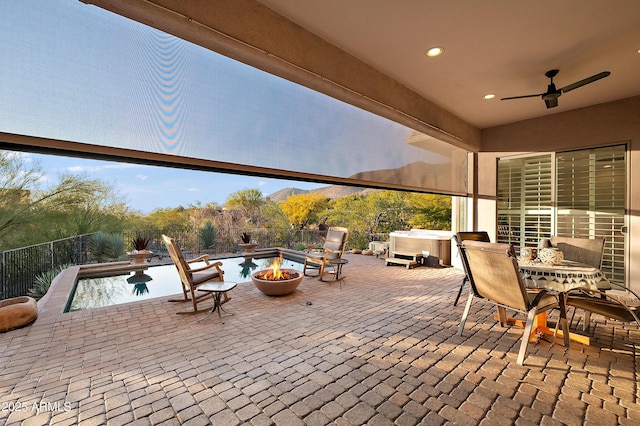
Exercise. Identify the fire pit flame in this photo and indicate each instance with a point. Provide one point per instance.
(276, 273)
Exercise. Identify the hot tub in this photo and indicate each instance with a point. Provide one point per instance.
(422, 242)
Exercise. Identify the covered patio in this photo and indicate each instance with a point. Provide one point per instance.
(383, 350)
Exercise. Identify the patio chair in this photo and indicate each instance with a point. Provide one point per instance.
(458, 238)
(191, 278)
(583, 250)
(605, 304)
(494, 276)
(333, 248)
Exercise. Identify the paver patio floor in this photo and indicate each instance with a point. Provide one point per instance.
(383, 350)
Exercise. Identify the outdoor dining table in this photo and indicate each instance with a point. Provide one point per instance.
(561, 278)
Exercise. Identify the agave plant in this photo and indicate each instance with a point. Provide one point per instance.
(107, 247)
(246, 238)
(43, 282)
(140, 243)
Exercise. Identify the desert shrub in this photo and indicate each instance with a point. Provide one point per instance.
(43, 281)
(207, 235)
(107, 247)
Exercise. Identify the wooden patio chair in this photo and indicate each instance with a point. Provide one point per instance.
(333, 248)
(495, 277)
(458, 239)
(191, 278)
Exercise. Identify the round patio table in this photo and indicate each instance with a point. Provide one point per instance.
(563, 277)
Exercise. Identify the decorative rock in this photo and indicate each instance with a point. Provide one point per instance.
(17, 312)
(367, 252)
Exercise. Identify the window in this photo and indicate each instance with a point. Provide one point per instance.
(589, 199)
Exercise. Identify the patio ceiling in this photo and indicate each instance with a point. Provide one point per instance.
(372, 53)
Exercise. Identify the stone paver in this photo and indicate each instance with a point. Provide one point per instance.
(383, 350)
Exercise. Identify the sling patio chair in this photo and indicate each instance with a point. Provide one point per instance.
(459, 238)
(603, 303)
(332, 249)
(583, 250)
(495, 277)
(191, 277)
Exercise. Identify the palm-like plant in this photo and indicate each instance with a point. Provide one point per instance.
(140, 243)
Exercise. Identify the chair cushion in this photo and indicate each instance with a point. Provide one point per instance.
(204, 276)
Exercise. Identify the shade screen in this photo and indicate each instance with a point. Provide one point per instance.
(77, 73)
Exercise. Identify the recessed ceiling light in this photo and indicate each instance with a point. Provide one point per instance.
(435, 51)
(489, 96)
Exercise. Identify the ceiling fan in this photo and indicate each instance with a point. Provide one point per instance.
(552, 94)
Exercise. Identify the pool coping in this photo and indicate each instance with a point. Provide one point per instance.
(54, 302)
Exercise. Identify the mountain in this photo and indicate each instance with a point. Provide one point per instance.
(331, 191)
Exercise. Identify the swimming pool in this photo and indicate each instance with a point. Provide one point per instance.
(157, 281)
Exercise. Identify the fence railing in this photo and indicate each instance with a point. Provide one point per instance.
(19, 267)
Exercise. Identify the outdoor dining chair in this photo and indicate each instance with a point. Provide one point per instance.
(495, 277)
(583, 250)
(191, 278)
(603, 303)
(458, 238)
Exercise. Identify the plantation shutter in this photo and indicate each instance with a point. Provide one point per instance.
(524, 200)
(591, 188)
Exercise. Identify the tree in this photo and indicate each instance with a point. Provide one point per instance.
(430, 211)
(171, 220)
(250, 202)
(94, 206)
(304, 209)
(28, 212)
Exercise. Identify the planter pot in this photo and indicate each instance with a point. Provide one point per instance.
(139, 257)
(17, 312)
(248, 247)
(279, 287)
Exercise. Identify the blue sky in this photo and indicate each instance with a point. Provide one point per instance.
(146, 188)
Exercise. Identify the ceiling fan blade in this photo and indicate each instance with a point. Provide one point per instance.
(551, 102)
(585, 81)
(520, 97)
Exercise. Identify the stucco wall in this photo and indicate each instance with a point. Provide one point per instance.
(600, 125)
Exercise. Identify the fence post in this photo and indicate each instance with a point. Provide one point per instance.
(4, 279)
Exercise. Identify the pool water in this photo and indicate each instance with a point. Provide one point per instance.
(158, 281)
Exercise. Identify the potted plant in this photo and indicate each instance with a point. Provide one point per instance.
(139, 253)
(247, 245)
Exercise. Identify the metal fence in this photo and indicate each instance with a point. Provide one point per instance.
(19, 267)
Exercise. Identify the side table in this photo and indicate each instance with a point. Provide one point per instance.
(337, 268)
(217, 288)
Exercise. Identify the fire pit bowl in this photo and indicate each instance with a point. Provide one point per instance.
(277, 287)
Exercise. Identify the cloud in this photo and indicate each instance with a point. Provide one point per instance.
(142, 177)
(93, 169)
(262, 183)
(193, 190)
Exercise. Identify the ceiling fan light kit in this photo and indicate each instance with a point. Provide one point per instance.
(552, 94)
